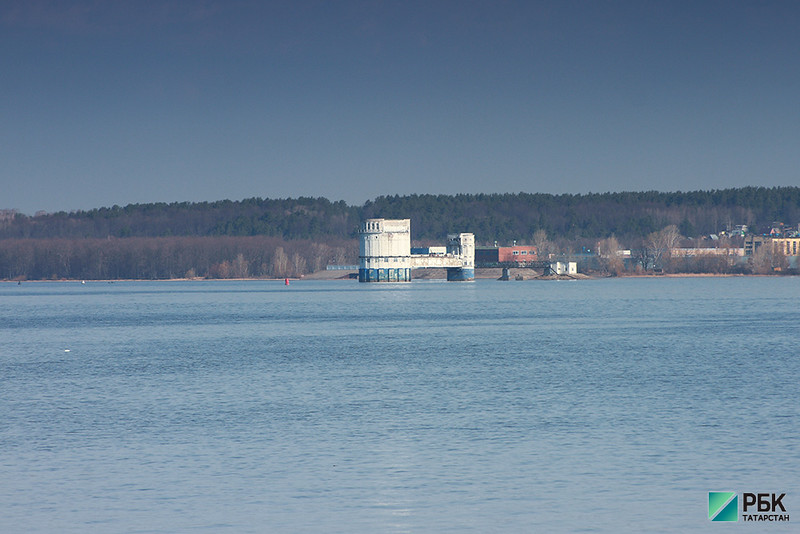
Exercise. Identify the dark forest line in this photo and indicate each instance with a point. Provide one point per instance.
(159, 258)
(491, 217)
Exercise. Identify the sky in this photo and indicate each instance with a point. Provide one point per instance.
(106, 102)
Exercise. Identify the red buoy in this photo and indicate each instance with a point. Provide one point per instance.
(286, 281)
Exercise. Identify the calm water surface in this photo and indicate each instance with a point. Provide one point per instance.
(593, 406)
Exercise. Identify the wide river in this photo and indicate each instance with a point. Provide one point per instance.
(609, 405)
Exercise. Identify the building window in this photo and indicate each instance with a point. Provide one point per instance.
(516, 252)
(524, 252)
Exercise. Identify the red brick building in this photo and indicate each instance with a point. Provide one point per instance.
(515, 254)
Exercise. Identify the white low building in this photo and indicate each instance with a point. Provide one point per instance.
(564, 267)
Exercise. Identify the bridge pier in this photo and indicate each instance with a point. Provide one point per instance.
(384, 275)
(460, 274)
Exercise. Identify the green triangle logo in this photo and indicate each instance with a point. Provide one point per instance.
(723, 506)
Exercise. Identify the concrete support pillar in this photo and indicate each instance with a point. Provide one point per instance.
(460, 274)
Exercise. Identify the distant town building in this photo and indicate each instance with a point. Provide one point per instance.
(789, 246)
(692, 252)
(779, 229)
(521, 254)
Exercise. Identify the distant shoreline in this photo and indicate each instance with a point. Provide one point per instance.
(480, 274)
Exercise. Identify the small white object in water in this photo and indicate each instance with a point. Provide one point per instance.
(66, 350)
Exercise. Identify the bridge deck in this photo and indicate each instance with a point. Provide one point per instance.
(542, 264)
(435, 261)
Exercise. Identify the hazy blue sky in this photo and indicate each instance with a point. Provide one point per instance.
(108, 102)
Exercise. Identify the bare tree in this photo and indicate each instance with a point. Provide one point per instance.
(640, 253)
(608, 251)
(543, 246)
(779, 260)
(240, 268)
(761, 260)
(280, 262)
(661, 244)
(339, 256)
(767, 259)
(298, 264)
(319, 256)
(221, 270)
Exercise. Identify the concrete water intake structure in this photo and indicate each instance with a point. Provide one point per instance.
(384, 253)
